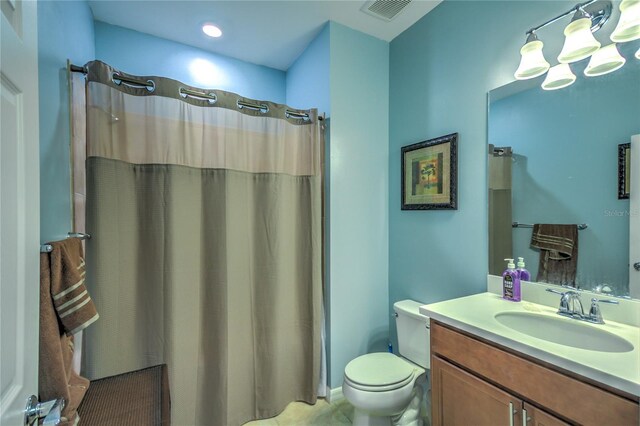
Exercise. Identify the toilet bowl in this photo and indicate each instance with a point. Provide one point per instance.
(385, 389)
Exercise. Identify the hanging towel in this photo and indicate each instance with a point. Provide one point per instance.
(558, 246)
(74, 307)
(65, 308)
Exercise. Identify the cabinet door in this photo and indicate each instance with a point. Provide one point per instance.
(537, 417)
(461, 399)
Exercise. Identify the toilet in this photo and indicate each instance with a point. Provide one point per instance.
(384, 388)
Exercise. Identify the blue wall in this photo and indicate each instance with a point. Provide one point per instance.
(65, 31)
(308, 77)
(354, 90)
(358, 163)
(441, 70)
(142, 54)
(566, 171)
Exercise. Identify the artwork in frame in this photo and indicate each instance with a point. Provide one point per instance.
(624, 163)
(430, 174)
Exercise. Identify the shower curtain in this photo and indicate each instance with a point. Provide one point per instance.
(205, 211)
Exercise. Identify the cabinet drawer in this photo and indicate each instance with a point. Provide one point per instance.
(566, 396)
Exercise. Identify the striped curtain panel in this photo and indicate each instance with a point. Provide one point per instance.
(206, 216)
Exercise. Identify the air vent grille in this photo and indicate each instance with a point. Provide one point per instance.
(385, 9)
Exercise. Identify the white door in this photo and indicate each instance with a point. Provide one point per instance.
(19, 209)
(634, 219)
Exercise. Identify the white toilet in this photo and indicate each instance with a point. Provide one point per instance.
(385, 388)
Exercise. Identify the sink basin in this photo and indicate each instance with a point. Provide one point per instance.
(564, 331)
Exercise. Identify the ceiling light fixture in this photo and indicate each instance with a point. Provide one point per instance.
(588, 17)
(211, 30)
(604, 61)
(558, 77)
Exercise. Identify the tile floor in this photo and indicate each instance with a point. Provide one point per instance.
(302, 414)
(320, 414)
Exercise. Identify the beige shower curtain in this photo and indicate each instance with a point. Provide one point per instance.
(206, 248)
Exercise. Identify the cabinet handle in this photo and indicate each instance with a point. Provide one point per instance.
(525, 417)
(511, 413)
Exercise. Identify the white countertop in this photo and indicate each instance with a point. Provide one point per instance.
(475, 314)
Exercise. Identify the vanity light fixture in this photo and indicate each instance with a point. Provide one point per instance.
(628, 27)
(579, 42)
(533, 62)
(558, 77)
(607, 59)
(588, 17)
(211, 30)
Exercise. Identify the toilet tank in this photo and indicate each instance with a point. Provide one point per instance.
(413, 332)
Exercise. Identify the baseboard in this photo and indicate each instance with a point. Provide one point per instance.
(335, 395)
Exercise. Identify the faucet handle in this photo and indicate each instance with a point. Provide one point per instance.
(564, 300)
(595, 315)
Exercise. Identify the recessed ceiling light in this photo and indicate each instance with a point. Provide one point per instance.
(211, 30)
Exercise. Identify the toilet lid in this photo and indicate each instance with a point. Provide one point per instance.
(378, 369)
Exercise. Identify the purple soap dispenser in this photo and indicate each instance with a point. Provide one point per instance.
(523, 274)
(510, 282)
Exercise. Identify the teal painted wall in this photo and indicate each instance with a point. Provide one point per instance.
(65, 31)
(354, 91)
(358, 204)
(308, 77)
(142, 54)
(566, 171)
(441, 70)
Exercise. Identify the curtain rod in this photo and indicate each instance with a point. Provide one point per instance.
(210, 98)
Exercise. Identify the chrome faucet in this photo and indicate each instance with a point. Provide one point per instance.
(571, 306)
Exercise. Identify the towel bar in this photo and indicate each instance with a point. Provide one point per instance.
(46, 248)
(581, 226)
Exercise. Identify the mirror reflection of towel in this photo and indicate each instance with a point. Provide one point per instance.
(558, 246)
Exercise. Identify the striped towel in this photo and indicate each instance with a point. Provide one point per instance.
(71, 300)
(558, 246)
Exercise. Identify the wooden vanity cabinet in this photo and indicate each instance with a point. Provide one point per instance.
(477, 383)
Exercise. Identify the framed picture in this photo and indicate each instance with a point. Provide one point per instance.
(624, 164)
(430, 174)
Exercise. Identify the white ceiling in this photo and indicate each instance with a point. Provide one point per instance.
(265, 32)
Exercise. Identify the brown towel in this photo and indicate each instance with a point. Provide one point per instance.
(64, 309)
(75, 308)
(558, 246)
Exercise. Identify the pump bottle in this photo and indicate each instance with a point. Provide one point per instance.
(523, 274)
(510, 282)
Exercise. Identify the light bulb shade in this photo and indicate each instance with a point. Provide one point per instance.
(638, 54)
(606, 59)
(579, 42)
(559, 76)
(628, 27)
(532, 63)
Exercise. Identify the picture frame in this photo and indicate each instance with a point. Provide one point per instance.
(430, 174)
(624, 168)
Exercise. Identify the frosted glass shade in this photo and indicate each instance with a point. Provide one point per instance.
(559, 76)
(628, 27)
(606, 59)
(579, 42)
(638, 54)
(532, 63)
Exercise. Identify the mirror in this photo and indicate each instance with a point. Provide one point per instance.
(553, 159)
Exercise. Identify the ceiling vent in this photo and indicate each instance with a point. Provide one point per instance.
(384, 9)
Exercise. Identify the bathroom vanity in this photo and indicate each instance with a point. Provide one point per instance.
(485, 373)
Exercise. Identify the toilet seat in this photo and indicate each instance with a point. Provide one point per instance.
(379, 372)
